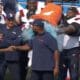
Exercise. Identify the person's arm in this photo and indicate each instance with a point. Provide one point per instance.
(68, 30)
(18, 18)
(56, 58)
(13, 48)
(4, 50)
(24, 47)
(56, 63)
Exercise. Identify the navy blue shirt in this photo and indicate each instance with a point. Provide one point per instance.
(11, 37)
(43, 50)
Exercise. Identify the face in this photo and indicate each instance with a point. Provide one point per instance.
(32, 5)
(35, 29)
(70, 14)
(10, 23)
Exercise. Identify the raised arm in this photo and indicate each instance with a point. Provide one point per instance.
(70, 29)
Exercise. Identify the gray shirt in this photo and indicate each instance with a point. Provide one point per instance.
(67, 42)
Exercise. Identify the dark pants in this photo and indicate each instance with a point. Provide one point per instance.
(2, 61)
(79, 66)
(69, 59)
(1, 69)
(14, 69)
(24, 64)
(42, 75)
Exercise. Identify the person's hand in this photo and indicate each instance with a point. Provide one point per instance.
(56, 71)
(11, 48)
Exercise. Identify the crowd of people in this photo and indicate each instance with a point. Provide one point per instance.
(28, 42)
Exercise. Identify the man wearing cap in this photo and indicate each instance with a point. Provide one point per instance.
(11, 37)
(45, 58)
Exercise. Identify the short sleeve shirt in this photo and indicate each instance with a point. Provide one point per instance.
(43, 50)
(11, 37)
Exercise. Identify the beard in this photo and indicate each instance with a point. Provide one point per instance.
(35, 32)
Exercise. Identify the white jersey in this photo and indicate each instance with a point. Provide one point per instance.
(75, 19)
(67, 42)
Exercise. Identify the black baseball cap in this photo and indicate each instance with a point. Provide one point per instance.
(73, 9)
(38, 23)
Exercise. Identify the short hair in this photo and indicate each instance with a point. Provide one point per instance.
(38, 23)
(73, 9)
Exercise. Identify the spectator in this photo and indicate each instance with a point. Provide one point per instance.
(23, 15)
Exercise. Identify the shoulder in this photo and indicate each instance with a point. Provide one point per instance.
(49, 38)
(47, 34)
